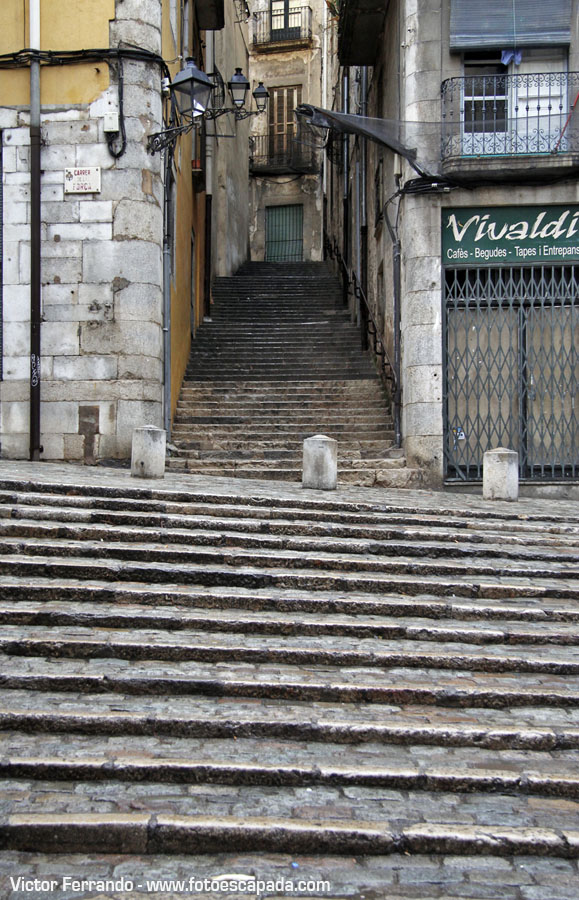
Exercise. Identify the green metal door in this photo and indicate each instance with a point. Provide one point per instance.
(284, 238)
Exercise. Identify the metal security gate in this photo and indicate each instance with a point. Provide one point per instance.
(284, 239)
(512, 369)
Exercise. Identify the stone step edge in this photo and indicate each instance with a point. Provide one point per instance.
(178, 596)
(192, 523)
(383, 515)
(176, 770)
(248, 622)
(419, 694)
(118, 570)
(121, 722)
(153, 648)
(157, 833)
(221, 534)
(193, 495)
(227, 565)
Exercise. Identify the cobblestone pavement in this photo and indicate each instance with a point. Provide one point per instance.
(366, 693)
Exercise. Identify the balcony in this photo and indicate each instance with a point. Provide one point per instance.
(290, 27)
(280, 154)
(511, 126)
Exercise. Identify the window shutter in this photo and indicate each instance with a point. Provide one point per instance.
(501, 24)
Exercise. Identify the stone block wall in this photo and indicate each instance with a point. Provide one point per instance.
(101, 333)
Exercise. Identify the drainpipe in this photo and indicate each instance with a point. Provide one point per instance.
(396, 286)
(209, 151)
(346, 220)
(364, 207)
(167, 294)
(35, 233)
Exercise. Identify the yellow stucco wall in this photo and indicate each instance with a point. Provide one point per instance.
(71, 25)
(190, 220)
(84, 24)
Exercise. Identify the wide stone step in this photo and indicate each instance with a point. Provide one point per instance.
(442, 583)
(511, 606)
(249, 454)
(313, 388)
(239, 765)
(78, 488)
(92, 642)
(290, 461)
(220, 534)
(323, 557)
(296, 418)
(402, 685)
(520, 728)
(151, 833)
(129, 613)
(251, 432)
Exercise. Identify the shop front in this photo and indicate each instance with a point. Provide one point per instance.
(511, 332)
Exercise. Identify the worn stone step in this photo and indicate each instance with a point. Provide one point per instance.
(401, 685)
(303, 417)
(140, 759)
(221, 498)
(518, 605)
(311, 390)
(279, 461)
(332, 807)
(181, 438)
(193, 770)
(304, 540)
(126, 512)
(310, 560)
(523, 728)
(234, 621)
(95, 642)
(145, 833)
(465, 582)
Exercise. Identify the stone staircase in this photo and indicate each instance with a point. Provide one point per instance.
(280, 361)
(376, 689)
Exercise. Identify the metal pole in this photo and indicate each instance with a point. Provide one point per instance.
(209, 153)
(364, 209)
(167, 294)
(345, 188)
(35, 234)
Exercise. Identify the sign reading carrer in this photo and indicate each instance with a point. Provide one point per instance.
(510, 235)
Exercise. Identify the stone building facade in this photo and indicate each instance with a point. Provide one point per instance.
(287, 43)
(121, 265)
(466, 239)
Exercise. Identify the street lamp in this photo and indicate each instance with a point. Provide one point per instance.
(238, 86)
(191, 94)
(191, 89)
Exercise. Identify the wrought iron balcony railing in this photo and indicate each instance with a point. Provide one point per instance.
(289, 25)
(510, 115)
(281, 153)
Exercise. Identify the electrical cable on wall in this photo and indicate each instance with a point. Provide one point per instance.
(112, 56)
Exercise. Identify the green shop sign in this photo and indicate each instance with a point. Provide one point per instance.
(510, 235)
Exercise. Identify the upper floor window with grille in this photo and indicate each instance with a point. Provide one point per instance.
(282, 123)
(515, 101)
(286, 19)
(517, 95)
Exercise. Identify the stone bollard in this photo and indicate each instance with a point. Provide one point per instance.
(320, 470)
(148, 452)
(501, 474)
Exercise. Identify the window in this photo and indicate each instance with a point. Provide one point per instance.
(282, 124)
(286, 19)
(485, 94)
(514, 101)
